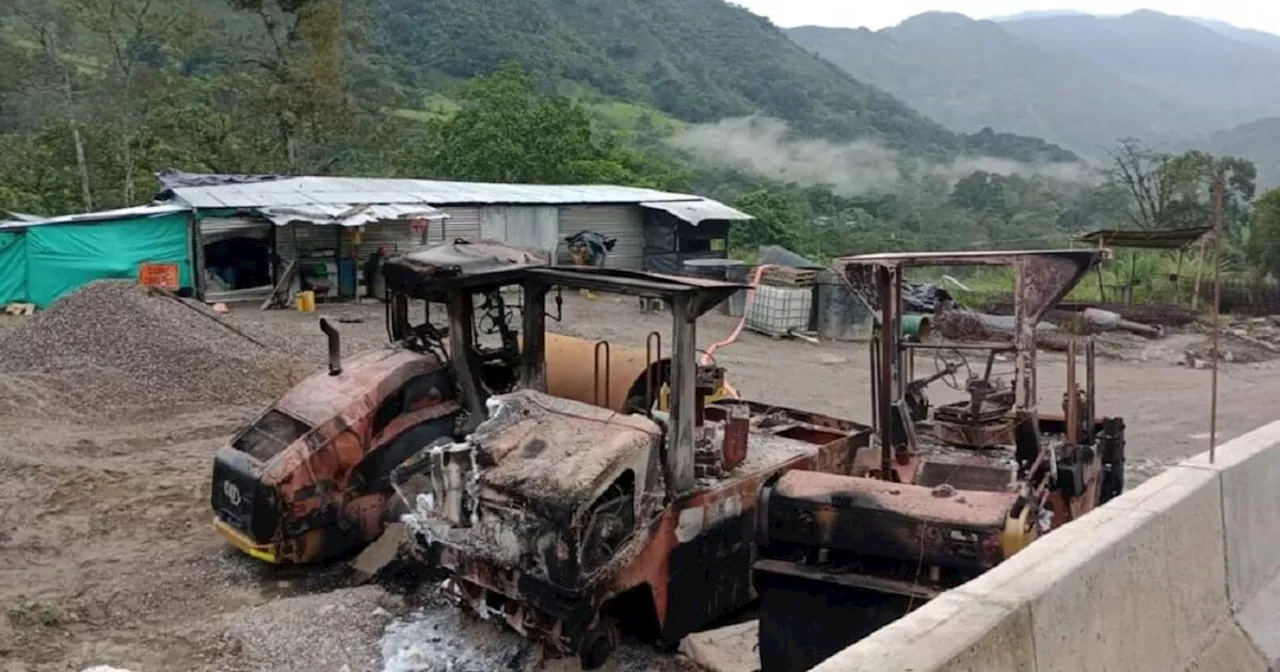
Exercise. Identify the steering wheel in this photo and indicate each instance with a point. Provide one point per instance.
(950, 362)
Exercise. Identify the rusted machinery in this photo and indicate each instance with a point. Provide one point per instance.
(308, 479)
(564, 518)
(948, 494)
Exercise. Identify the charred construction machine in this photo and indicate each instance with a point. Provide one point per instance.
(308, 479)
(563, 517)
(951, 491)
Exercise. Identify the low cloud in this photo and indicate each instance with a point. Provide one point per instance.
(766, 147)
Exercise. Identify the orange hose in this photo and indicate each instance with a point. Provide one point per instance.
(737, 331)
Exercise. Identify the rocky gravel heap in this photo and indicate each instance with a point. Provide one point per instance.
(115, 344)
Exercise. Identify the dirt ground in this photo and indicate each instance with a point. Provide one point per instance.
(107, 555)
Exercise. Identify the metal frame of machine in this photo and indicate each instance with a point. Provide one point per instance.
(513, 511)
(946, 497)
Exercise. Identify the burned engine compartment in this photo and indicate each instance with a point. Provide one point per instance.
(552, 488)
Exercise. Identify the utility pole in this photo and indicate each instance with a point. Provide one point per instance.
(1217, 306)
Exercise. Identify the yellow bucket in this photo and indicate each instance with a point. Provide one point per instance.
(306, 302)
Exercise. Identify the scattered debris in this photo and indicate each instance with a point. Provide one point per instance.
(1243, 341)
(733, 648)
(381, 553)
(440, 637)
(16, 309)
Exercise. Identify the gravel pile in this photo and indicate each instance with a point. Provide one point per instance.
(114, 345)
(337, 631)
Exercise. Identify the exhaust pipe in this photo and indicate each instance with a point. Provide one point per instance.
(335, 347)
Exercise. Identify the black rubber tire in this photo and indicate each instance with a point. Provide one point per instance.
(598, 646)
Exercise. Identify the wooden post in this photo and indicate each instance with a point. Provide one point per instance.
(1217, 302)
(684, 355)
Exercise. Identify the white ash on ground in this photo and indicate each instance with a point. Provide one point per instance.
(114, 344)
(443, 638)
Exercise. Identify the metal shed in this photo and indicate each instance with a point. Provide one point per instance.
(539, 216)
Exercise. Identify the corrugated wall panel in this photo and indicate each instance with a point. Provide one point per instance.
(463, 222)
(214, 229)
(294, 240)
(620, 221)
(394, 237)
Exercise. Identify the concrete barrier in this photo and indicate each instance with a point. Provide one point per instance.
(1181, 573)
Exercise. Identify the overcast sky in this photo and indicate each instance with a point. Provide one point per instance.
(1259, 14)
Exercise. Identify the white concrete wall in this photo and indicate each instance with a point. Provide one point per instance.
(1181, 573)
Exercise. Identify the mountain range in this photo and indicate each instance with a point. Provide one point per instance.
(695, 60)
(1079, 80)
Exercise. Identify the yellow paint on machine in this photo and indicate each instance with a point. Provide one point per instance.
(265, 553)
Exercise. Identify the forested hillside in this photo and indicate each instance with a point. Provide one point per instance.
(697, 60)
(98, 95)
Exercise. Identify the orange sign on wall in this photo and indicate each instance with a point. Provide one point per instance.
(160, 276)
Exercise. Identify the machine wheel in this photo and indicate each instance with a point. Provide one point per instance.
(598, 645)
(610, 523)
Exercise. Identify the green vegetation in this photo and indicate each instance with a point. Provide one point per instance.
(695, 60)
(28, 614)
(544, 91)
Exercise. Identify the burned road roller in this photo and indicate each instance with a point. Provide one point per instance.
(307, 480)
(572, 515)
(945, 493)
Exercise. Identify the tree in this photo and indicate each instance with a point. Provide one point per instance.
(298, 51)
(1264, 237)
(776, 222)
(506, 132)
(980, 191)
(49, 23)
(1143, 173)
(1170, 192)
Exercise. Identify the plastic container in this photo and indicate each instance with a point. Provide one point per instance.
(779, 310)
(306, 302)
(347, 279)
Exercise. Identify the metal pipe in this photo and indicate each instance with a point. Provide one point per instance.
(888, 346)
(1073, 397)
(875, 381)
(335, 347)
(652, 355)
(1090, 387)
(595, 376)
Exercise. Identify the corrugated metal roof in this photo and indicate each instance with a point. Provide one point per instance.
(345, 215)
(1169, 239)
(353, 190)
(697, 212)
(103, 216)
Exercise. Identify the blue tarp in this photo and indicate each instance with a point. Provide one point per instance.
(43, 262)
(13, 267)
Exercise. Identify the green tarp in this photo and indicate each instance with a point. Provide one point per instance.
(62, 257)
(13, 267)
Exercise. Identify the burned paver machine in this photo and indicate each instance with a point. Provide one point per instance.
(567, 519)
(948, 492)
